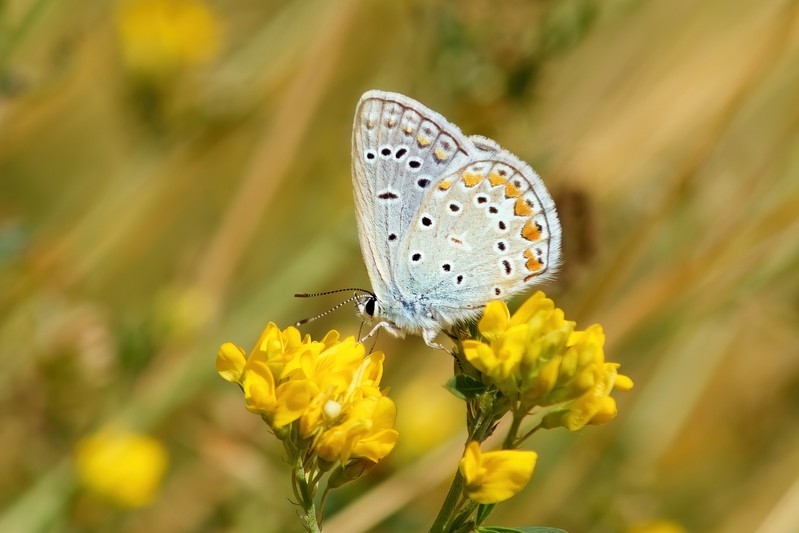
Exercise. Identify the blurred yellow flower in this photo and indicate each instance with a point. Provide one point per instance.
(330, 387)
(493, 477)
(127, 468)
(537, 357)
(159, 37)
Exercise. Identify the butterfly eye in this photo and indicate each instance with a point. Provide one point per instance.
(370, 307)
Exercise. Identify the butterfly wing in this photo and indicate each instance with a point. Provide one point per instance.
(400, 148)
(484, 232)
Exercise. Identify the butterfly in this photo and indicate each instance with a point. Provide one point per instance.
(446, 223)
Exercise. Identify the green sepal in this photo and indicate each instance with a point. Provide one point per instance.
(464, 387)
(483, 510)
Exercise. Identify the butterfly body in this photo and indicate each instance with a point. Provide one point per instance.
(446, 222)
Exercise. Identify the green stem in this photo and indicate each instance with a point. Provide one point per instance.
(528, 434)
(321, 516)
(510, 439)
(450, 504)
(482, 425)
(306, 493)
(464, 514)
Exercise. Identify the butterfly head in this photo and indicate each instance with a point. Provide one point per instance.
(367, 306)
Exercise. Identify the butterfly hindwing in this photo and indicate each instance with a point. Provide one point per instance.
(486, 231)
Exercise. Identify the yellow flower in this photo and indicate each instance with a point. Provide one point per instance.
(285, 374)
(585, 382)
(124, 467)
(159, 37)
(366, 432)
(518, 346)
(328, 386)
(536, 356)
(493, 477)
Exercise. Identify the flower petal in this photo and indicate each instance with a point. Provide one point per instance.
(480, 355)
(493, 477)
(230, 362)
(495, 319)
(293, 397)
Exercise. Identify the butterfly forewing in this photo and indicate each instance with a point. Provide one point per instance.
(400, 149)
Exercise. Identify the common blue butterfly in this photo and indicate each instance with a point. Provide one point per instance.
(446, 222)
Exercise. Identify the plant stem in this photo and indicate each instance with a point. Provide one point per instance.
(306, 492)
(482, 425)
(449, 505)
(464, 514)
(510, 439)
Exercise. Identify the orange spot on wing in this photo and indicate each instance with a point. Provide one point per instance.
(407, 128)
(532, 264)
(423, 141)
(470, 179)
(522, 209)
(530, 231)
(444, 185)
(440, 155)
(511, 191)
(496, 179)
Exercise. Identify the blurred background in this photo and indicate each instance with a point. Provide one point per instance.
(172, 171)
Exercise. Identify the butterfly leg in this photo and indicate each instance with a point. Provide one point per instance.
(384, 325)
(429, 336)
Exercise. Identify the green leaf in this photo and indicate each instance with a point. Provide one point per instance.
(524, 529)
(464, 387)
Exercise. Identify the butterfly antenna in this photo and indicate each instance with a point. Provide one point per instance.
(313, 294)
(337, 306)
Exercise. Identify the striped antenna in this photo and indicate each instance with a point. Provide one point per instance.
(337, 306)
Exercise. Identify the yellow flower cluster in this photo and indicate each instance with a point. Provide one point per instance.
(328, 387)
(537, 357)
(121, 466)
